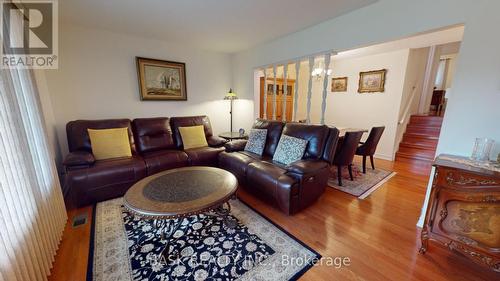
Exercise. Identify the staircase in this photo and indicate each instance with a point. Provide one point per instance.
(421, 138)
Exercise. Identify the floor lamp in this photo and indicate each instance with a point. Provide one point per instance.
(231, 96)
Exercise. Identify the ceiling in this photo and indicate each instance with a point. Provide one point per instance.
(449, 38)
(219, 25)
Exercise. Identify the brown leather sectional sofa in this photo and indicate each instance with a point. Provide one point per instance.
(291, 187)
(156, 146)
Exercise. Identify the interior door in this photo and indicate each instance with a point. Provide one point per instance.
(280, 95)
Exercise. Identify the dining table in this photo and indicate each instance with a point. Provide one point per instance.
(343, 130)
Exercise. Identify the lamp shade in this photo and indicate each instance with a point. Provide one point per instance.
(230, 95)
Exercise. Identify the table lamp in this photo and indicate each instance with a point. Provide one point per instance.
(231, 96)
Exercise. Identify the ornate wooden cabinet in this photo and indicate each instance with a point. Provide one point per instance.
(464, 210)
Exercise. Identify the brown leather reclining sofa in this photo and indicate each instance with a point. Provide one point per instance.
(291, 187)
(156, 146)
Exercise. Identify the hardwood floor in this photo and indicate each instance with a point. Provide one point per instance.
(378, 234)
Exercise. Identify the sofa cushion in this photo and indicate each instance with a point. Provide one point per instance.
(193, 137)
(316, 135)
(274, 129)
(236, 163)
(265, 175)
(152, 134)
(161, 160)
(78, 136)
(272, 180)
(106, 179)
(204, 156)
(257, 157)
(110, 143)
(109, 171)
(187, 121)
(305, 167)
(256, 141)
(289, 150)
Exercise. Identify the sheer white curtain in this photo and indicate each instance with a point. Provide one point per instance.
(32, 211)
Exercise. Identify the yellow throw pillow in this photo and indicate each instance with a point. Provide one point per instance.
(110, 143)
(193, 137)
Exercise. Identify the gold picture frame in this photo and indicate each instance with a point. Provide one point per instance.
(372, 81)
(161, 80)
(339, 84)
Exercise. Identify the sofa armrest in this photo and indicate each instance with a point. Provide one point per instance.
(306, 166)
(78, 159)
(236, 145)
(215, 141)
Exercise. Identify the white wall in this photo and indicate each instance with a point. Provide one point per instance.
(450, 51)
(412, 89)
(97, 78)
(450, 72)
(476, 106)
(406, 69)
(353, 110)
(473, 110)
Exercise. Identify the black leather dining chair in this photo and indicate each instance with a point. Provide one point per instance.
(345, 153)
(369, 147)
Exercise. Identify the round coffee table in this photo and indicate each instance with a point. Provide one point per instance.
(172, 195)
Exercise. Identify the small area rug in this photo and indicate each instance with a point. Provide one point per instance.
(127, 248)
(363, 184)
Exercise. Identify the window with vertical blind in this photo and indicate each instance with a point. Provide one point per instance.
(32, 211)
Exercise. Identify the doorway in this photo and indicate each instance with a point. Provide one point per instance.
(444, 78)
(439, 74)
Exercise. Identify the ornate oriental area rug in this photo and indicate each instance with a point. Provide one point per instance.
(128, 248)
(363, 184)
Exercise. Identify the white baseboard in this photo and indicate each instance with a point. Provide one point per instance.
(384, 156)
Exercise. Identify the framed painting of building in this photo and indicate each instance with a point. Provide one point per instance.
(161, 80)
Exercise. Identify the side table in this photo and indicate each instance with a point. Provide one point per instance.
(233, 136)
